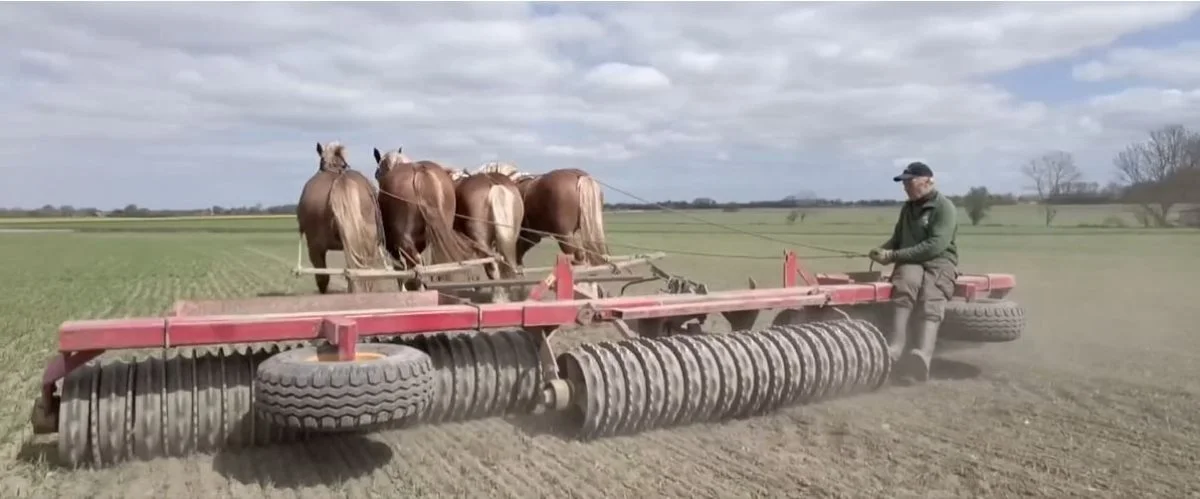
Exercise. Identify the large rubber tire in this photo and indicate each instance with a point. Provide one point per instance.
(296, 390)
(984, 320)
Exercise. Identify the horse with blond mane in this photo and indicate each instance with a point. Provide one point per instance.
(337, 212)
(417, 202)
(490, 213)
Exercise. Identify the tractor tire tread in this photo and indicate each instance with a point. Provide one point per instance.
(340, 396)
(984, 320)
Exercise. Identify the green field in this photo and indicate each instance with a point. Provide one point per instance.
(1137, 280)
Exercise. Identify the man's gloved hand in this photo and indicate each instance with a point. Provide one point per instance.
(881, 256)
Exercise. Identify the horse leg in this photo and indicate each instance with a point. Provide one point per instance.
(526, 242)
(398, 263)
(568, 246)
(400, 241)
(505, 241)
(480, 232)
(316, 255)
(412, 256)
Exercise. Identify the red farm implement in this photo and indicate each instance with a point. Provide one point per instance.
(282, 368)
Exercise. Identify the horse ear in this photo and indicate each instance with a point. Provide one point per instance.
(320, 150)
(378, 157)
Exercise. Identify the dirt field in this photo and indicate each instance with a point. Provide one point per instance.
(1100, 398)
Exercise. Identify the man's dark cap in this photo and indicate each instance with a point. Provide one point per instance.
(914, 170)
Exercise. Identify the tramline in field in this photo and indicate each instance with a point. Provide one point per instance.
(238, 373)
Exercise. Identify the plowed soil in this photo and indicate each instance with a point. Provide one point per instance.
(1099, 399)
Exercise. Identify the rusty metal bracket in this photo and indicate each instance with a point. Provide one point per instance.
(586, 315)
(676, 284)
(44, 415)
(546, 354)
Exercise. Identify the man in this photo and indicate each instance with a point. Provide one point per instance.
(925, 255)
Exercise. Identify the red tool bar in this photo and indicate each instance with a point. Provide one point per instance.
(725, 305)
(77, 336)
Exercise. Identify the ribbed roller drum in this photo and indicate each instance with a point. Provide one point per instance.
(197, 401)
(74, 415)
(708, 372)
(690, 375)
(844, 362)
(821, 365)
(737, 377)
(785, 370)
(674, 385)
(641, 384)
(655, 385)
(527, 389)
(479, 375)
(770, 371)
(148, 432)
(612, 410)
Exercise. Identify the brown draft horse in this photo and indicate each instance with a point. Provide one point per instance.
(417, 203)
(568, 204)
(490, 213)
(337, 212)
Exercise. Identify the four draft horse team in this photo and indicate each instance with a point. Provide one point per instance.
(495, 212)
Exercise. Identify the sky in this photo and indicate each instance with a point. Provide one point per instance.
(189, 105)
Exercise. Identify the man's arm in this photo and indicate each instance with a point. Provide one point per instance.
(944, 223)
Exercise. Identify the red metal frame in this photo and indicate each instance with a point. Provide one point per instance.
(81, 341)
(968, 286)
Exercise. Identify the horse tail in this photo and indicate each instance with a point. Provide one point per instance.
(447, 245)
(591, 220)
(505, 211)
(360, 236)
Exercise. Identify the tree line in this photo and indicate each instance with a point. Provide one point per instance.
(701, 203)
(1156, 176)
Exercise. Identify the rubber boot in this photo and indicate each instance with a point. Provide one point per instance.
(898, 339)
(914, 367)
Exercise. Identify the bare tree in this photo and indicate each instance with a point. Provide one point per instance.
(1052, 175)
(1161, 172)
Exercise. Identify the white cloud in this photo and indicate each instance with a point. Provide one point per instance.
(221, 103)
(621, 77)
(1178, 65)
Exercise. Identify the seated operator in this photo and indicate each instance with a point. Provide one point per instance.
(925, 255)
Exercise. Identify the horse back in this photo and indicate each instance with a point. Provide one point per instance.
(472, 192)
(552, 200)
(314, 214)
(312, 211)
(401, 183)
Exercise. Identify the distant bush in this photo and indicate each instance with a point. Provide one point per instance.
(1115, 221)
(1110, 222)
(796, 215)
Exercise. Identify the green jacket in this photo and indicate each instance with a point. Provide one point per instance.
(925, 231)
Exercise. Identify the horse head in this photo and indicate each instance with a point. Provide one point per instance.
(333, 157)
(384, 162)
